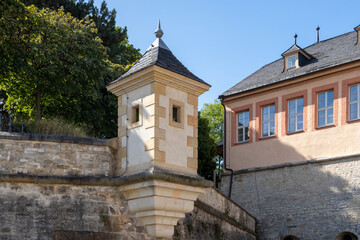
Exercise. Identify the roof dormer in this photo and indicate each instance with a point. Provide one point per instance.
(295, 57)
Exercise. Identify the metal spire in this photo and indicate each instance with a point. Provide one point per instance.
(158, 32)
(295, 36)
(317, 35)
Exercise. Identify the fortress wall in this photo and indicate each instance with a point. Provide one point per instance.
(316, 199)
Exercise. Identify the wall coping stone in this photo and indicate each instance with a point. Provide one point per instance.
(232, 201)
(54, 138)
(153, 173)
(293, 164)
(223, 216)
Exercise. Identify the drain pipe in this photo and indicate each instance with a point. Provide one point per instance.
(224, 150)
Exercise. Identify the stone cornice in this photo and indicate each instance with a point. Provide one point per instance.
(286, 82)
(153, 173)
(294, 164)
(157, 74)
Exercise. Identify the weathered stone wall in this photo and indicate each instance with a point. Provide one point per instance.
(36, 211)
(216, 217)
(316, 199)
(39, 154)
(43, 196)
(32, 211)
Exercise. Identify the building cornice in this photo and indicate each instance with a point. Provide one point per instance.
(295, 80)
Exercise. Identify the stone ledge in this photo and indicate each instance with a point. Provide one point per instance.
(223, 216)
(53, 138)
(232, 201)
(149, 174)
(292, 164)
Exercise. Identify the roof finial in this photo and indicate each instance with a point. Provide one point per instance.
(295, 36)
(158, 32)
(317, 36)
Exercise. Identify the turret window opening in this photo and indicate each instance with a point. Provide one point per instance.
(136, 114)
(176, 113)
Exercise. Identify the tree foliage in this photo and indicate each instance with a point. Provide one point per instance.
(213, 112)
(53, 64)
(206, 149)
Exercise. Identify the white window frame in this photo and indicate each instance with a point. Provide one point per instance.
(268, 121)
(242, 127)
(288, 61)
(355, 102)
(325, 108)
(295, 115)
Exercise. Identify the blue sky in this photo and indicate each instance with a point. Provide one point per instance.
(222, 42)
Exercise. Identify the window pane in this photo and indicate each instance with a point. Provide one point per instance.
(330, 98)
(272, 128)
(354, 93)
(240, 134)
(321, 118)
(240, 117)
(321, 100)
(291, 61)
(272, 112)
(353, 111)
(330, 116)
(300, 105)
(292, 121)
(299, 121)
(265, 116)
(299, 126)
(292, 107)
(246, 118)
(246, 133)
(265, 130)
(247, 115)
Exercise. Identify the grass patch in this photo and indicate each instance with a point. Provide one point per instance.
(56, 126)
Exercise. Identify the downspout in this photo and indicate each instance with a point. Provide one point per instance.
(224, 149)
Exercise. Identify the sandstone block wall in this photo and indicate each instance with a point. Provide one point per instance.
(312, 200)
(216, 217)
(69, 204)
(56, 156)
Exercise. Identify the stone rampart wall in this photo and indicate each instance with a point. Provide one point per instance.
(317, 199)
(62, 188)
(45, 155)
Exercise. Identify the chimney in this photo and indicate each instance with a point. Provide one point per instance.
(317, 34)
(357, 29)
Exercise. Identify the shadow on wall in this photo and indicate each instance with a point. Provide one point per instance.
(317, 200)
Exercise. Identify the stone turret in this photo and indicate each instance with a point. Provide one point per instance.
(158, 101)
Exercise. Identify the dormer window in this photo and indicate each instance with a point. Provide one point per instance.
(291, 61)
(295, 57)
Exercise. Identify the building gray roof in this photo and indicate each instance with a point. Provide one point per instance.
(160, 55)
(293, 48)
(325, 54)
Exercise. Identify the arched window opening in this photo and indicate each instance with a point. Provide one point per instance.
(289, 237)
(346, 236)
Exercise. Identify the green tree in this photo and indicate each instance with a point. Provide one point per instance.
(52, 62)
(213, 112)
(101, 115)
(206, 149)
(113, 37)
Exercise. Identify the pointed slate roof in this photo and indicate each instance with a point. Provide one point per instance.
(325, 54)
(160, 55)
(293, 48)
